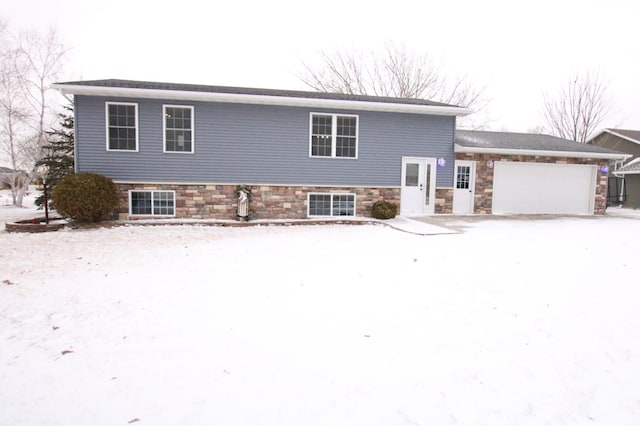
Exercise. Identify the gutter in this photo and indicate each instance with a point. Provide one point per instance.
(540, 153)
(182, 95)
(622, 174)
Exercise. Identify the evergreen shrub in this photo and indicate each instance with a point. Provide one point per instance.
(85, 197)
(384, 210)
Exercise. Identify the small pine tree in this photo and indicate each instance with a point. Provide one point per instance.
(58, 158)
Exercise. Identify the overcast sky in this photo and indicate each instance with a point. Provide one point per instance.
(516, 50)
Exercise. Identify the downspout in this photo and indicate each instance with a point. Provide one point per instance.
(75, 133)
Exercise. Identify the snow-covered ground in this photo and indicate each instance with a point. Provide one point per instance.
(623, 212)
(9, 213)
(512, 322)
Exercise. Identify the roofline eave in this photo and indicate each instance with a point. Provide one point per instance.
(540, 153)
(183, 95)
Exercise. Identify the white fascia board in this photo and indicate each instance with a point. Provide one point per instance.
(181, 95)
(634, 161)
(539, 153)
(632, 172)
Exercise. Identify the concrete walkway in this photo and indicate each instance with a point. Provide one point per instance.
(404, 224)
(417, 226)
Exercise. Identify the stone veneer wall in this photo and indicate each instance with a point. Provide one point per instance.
(444, 200)
(484, 177)
(267, 201)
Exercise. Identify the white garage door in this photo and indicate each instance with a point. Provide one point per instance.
(542, 188)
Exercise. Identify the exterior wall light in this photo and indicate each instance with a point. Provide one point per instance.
(490, 164)
(604, 168)
(442, 162)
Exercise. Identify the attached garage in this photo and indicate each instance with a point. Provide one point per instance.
(543, 188)
(520, 173)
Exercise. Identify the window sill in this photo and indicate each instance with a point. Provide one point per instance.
(150, 216)
(333, 158)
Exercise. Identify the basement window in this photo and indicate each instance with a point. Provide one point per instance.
(152, 203)
(324, 204)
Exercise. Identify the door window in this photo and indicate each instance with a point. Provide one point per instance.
(412, 172)
(427, 188)
(463, 176)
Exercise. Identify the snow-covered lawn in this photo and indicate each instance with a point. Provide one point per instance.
(9, 213)
(513, 322)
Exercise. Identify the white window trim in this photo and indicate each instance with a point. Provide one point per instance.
(152, 191)
(164, 129)
(106, 122)
(334, 131)
(309, 194)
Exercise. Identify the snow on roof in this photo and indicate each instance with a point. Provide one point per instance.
(632, 167)
(529, 144)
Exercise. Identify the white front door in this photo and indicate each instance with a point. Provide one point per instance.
(464, 189)
(418, 190)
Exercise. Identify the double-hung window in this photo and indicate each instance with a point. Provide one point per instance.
(333, 135)
(324, 204)
(122, 126)
(152, 203)
(178, 128)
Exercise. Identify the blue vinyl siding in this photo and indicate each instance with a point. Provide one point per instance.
(259, 144)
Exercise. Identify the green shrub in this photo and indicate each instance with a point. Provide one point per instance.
(85, 197)
(384, 210)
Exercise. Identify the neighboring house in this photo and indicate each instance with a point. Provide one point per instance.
(4, 175)
(519, 173)
(631, 183)
(9, 177)
(179, 150)
(624, 186)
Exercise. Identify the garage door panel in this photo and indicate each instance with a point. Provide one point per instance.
(543, 188)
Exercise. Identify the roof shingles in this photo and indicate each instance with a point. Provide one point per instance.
(131, 84)
(525, 142)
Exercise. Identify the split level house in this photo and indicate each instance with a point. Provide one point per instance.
(624, 175)
(182, 150)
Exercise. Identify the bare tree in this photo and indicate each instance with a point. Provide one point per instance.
(396, 73)
(29, 64)
(578, 108)
(13, 116)
(13, 113)
(539, 130)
